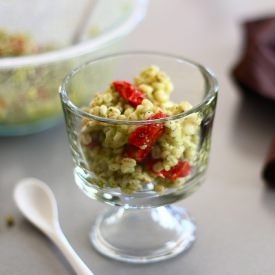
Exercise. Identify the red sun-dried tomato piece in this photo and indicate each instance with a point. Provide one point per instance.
(158, 115)
(147, 134)
(93, 144)
(2, 103)
(137, 153)
(129, 92)
(150, 165)
(180, 170)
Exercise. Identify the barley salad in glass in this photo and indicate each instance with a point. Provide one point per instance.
(130, 157)
(140, 139)
(139, 129)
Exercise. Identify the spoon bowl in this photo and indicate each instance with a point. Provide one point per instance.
(33, 192)
(37, 203)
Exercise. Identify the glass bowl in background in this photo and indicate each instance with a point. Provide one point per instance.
(142, 226)
(29, 84)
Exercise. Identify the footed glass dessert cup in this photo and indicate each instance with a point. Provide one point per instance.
(117, 161)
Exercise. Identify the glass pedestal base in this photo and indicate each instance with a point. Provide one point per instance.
(143, 235)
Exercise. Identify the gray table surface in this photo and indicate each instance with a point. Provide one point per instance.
(234, 211)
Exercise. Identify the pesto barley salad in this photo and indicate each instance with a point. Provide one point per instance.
(27, 94)
(130, 156)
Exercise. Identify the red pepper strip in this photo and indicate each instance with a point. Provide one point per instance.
(181, 169)
(147, 134)
(129, 92)
(137, 153)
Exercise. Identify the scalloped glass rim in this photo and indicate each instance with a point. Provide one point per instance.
(211, 90)
(109, 36)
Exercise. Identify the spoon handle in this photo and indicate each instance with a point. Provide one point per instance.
(77, 264)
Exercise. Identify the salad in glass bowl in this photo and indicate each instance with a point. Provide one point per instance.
(37, 50)
(140, 139)
(130, 156)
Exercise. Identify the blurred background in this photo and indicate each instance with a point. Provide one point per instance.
(234, 210)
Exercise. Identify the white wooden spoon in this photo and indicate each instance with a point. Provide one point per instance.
(37, 203)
